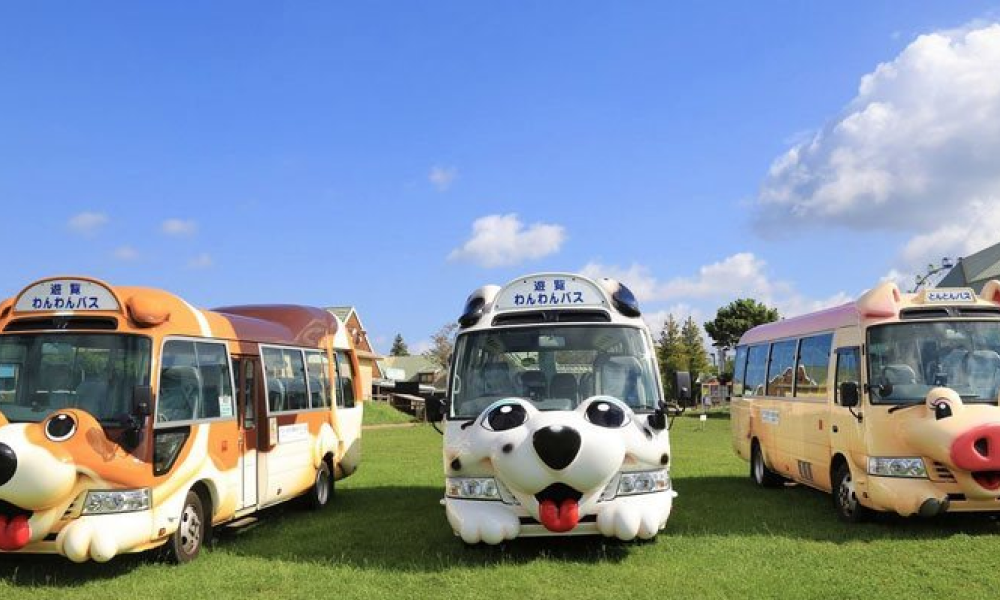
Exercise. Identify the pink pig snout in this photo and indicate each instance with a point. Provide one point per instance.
(978, 449)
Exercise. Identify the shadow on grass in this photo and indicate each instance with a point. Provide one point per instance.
(400, 528)
(734, 506)
(47, 570)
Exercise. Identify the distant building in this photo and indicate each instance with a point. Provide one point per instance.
(416, 368)
(368, 359)
(974, 270)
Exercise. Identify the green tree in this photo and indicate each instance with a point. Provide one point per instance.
(399, 346)
(442, 344)
(694, 348)
(735, 319)
(671, 355)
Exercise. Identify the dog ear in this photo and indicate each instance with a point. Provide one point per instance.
(3, 420)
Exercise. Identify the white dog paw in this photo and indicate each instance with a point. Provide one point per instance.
(483, 525)
(82, 541)
(627, 522)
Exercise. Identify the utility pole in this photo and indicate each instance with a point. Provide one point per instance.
(932, 270)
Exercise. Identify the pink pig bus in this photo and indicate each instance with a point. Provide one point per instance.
(890, 402)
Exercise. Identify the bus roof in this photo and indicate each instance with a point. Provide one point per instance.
(53, 302)
(884, 303)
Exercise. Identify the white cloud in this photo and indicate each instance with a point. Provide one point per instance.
(442, 177)
(179, 227)
(741, 275)
(503, 240)
(420, 347)
(126, 253)
(202, 261)
(87, 223)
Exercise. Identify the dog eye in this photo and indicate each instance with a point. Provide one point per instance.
(507, 416)
(60, 428)
(942, 410)
(606, 414)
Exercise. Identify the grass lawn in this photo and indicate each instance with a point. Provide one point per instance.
(381, 413)
(386, 537)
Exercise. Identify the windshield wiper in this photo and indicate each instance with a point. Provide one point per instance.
(902, 406)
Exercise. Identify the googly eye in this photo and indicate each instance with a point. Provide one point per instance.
(606, 414)
(942, 410)
(505, 416)
(60, 428)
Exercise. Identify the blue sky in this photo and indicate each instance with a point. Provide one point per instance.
(323, 153)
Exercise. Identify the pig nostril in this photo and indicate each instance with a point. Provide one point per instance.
(982, 446)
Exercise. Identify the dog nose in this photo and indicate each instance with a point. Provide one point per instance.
(556, 445)
(8, 463)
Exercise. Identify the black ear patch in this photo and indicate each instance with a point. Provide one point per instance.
(606, 414)
(506, 416)
(60, 428)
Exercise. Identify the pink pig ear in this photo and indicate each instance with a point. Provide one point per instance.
(991, 291)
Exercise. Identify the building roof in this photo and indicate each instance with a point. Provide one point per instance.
(412, 365)
(974, 270)
(342, 312)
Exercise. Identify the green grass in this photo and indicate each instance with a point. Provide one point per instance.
(381, 413)
(386, 537)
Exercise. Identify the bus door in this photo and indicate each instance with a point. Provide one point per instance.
(247, 372)
(846, 433)
(349, 410)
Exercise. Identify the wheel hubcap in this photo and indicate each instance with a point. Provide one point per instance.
(190, 530)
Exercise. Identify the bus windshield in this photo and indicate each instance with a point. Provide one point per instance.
(555, 368)
(42, 373)
(906, 360)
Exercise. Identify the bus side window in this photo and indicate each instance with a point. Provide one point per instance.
(814, 363)
(345, 381)
(739, 370)
(247, 384)
(756, 370)
(848, 360)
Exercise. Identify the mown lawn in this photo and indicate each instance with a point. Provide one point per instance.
(381, 413)
(386, 537)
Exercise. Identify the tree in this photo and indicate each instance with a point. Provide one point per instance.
(735, 319)
(694, 348)
(670, 352)
(399, 346)
(442, 343)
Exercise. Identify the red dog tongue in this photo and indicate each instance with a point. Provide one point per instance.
(559, 519)
(15, 533)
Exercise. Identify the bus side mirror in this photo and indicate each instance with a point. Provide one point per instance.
(849, 394)
(142, 401)
(435, 409)
(682, 384)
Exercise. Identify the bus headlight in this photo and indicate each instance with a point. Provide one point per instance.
(643, 482)
(472, 488)
(896, 467)
(103, 502)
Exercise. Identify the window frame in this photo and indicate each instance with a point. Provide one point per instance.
(856, 350)
(157, 423)
(305, 370)
(798, 361)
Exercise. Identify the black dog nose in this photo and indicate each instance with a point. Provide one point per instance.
(557, 446)
(8, 463)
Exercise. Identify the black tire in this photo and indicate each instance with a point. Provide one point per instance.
(322, 490)
(185, 544)
(759, 473)
(845, 500)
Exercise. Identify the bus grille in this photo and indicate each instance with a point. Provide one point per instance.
(942, 473)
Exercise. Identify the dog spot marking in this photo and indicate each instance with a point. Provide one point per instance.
(508, 448)
(665, 459)
(456, 465)
(649, 434)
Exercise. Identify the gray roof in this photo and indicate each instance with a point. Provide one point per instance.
(412, 365)
(974, 270)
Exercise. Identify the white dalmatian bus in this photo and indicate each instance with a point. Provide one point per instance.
(890, 403)
(554, 422)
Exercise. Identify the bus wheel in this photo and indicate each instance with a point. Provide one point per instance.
(186, 542)
(759, 472)
(322, 489)
(845, 499)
